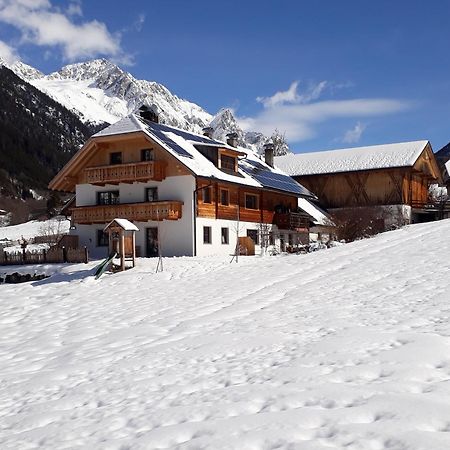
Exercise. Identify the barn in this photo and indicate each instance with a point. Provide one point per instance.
(394, 178)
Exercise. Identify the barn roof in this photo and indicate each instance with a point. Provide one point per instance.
(403, 154)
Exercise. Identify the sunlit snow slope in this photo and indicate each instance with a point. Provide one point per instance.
(344, 348)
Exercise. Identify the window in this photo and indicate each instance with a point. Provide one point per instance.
(147, 154)
(151, 194)
(207, 194)
(102, 239)
(225, 236)
(115, 158)
(254, 235)
(108, 198)
(227, 162)
(251, 201)
(224, 197)
(207, 235)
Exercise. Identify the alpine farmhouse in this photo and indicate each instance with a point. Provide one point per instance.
(394, 178)
(187, 193)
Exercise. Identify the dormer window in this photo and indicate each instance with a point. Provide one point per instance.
(147, 154)
(228, 163)
(115, 158)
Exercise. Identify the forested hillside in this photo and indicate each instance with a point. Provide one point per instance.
(37, 136)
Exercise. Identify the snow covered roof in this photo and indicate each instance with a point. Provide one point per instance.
(123, 223)
(320, 217)
(403, 154)
(129, 124)
(447, 166)
(182, 144)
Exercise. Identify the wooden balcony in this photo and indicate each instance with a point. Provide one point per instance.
(125, 173)
(291, 221)
(140, 212)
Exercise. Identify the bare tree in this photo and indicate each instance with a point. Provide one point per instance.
(51, 231)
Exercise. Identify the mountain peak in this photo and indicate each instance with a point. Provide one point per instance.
(99, 91)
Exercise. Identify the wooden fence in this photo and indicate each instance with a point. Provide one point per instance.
(52, 255)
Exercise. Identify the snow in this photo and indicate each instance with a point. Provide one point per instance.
(129, 124)
(91, 103)
(125, 224)
(99, 91)
(402, 154)
(33, 228)
(447, 166)
(319, 216)
(198, 164)
(343, 348)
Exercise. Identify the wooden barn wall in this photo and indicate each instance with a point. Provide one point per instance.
(267, 201)
(367, 188)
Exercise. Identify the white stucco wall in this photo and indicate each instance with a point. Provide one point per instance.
(176, 237)
(217, 248)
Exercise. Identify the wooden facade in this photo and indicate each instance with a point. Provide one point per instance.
(141, 212)
(212, 205)
(377, 187)
(93, 163)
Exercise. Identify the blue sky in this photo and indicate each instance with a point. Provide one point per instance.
(329, 74)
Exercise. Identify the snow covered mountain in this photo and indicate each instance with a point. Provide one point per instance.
(99, 91)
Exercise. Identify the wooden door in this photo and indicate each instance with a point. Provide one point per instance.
(152, 242)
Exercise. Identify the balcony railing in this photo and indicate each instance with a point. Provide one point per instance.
(123, 173)
(291, 221)
(140, 212)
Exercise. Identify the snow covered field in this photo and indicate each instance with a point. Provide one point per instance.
(34, 228)
(344, 348)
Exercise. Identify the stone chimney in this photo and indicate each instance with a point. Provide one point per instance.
(150, 113)
(232, 139)
(208, 132)
(269, 150)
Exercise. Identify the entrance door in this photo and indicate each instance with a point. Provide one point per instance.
(152, 241)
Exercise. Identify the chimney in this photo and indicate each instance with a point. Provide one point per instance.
(232, 139)
(269, 150)
(208, 132)
(149, 113)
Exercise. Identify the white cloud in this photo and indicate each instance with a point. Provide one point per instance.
(281, 97)
(291, 96)
(299, 121)
(8, 53)
(353, 135)
(42, 24)
(74, 9)
(139, 22)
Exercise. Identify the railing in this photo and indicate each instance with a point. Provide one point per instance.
(140, 212)
(141, 171)
(291, 221)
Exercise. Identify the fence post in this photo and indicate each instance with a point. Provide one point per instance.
(86, 255)
(64, 249)
(45, 255)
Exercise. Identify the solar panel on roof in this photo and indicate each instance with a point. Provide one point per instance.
(184, 134)
(158, 130)
(273, 180)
